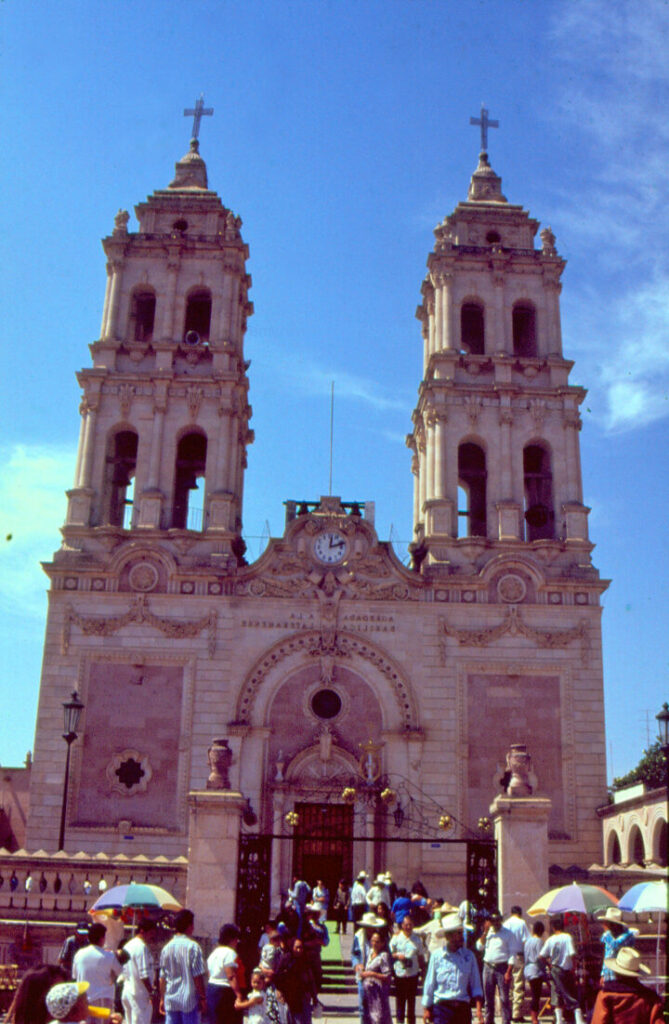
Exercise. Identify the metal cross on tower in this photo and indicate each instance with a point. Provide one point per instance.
(197, 113)
(485, 123)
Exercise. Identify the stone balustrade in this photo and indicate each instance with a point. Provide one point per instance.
(43, 886)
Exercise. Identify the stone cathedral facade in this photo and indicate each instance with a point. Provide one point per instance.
(363, 697)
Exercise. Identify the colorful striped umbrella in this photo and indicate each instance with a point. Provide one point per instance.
(136, 896)
(576, 898)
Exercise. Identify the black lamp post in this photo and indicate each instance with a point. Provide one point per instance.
(72, 709)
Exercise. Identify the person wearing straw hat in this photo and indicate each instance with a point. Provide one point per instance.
(358, 898)
(360, 952)
(625, 1000)
(432, 933)
(452, 980)
(615, 935)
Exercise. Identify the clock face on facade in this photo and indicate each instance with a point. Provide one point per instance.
(330, 547)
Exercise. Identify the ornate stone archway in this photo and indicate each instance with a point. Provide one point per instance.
(308, 646)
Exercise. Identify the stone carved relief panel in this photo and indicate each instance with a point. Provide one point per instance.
(514, 625)
(139, 612)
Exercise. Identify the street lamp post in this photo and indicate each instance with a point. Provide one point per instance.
(663, 736)
(72, 709)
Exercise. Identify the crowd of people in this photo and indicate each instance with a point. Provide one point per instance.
(467, 960)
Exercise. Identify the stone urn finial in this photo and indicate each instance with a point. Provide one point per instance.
(516, 778)
(219, 756)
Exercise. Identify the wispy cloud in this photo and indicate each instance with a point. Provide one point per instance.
(32, 500)
(615, 100)
(315, 380)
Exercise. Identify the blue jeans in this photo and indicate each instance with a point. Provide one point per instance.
(452, 1012)
(494, 977)
(182, 1016)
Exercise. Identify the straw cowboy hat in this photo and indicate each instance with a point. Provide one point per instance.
(452, 923)
(628, 962)
(370, 920)
(612, 914)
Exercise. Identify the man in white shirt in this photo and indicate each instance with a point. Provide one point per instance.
(98, 966)
(559, 950)
(358, 898)
(496, 945)
(138, 976)
(378, 893)
(521, 933)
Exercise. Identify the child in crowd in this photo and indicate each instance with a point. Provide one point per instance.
(255, 1006)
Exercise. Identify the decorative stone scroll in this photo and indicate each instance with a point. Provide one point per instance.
(513, 625)
(139, 612)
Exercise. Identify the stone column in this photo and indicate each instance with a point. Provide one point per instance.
(151, 498)
(438, 340)
(89, 445)
(214, 818)
(114, 298)
(448, 337)
(440, 457)
(167, 326)
(520, 820)
(279, 868)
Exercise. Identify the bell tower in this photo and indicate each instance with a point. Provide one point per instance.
(164, 414)
(495, 442)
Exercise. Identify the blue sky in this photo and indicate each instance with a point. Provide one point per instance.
(341, 136)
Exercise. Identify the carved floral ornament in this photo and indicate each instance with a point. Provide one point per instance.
(513, 625)
(139, 612)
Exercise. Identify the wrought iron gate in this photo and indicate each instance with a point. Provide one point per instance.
(482, 873)
(254, 872)
(253, 882)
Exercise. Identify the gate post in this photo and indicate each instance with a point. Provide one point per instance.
(521, 831)
(214, 818)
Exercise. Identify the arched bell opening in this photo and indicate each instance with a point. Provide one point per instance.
(142, 315)
(538, 486)
(120, 467)
(472, 328)
(472, 481)
(524, 328)
(197, 321)
(189, 476)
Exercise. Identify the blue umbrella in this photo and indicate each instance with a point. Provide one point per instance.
(645, 897)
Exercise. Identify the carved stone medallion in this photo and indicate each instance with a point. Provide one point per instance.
(143, 577)
(511, 588)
